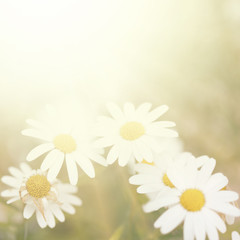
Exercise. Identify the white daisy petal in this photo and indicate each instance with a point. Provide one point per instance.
(125, 154)
(36, 134)
(25, 168)
(68, 208)
(129, 111)
(41, 222)
(72, 170)
(14, 199)
(86, 165)
(146, 152)
(143, 179)
(143, 109)
(113, 154)
(188, 227)
(235, 235)
(156, 113)
(225, 208)
(74, 200)
(199, 226)
(211, 231)
(29, 210)
(55, 169)
(170, 219)
(11, 181)
(10, 193)
(51, 159)
(115, 111)
(49, 218)
(206, 171)
(57, 212)
(215, 219)
(156, 204)
(97, 158)
(39, 150)
(15, 172)
(148, 188)
(216, 182)
(226, 196)
(104, 142)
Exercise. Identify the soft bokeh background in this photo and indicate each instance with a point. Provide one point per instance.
(185, 54)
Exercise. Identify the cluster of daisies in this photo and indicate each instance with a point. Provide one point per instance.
(183, 186)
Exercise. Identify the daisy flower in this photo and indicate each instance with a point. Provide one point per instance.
(198, 201)
(153, 178)
(40, 195)
(132, 133)
(235, 235)
(63, 141)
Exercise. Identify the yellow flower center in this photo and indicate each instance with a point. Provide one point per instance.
(149, 163)
(132, 131)
(167, 181)
(38, 186)
(65, 143)
(192, 200)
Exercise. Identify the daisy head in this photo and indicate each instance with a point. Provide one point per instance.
(198, 201)
(63, 142)
(132, 133)
(40, 195)
(153, 178)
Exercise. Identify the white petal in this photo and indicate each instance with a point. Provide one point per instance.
(176, 178)
(216, 182)
(235, 235)
(51, 159)
(49, 218)
(147, 169)
(188, 230)
(13, 200)
(36, 134)
(215, 219)
(140, 179)
(113, 154)
(15, 172)
(10, 193)
(73, 200)
(67, 188)
(28, 211)
(105, 142)
(68, 208)
(156, 113)
(39, 150)
(11, 181)
(129, 111)
(97, 158)
(54, 170)
(125, 154)
(86, 165)
(148, 188)
(226, 196)
(145, 151)
(72, 170)
(162, 132)
(171, 222)
(115, 111)
(230, 220)
(225, 208)
(206, 171)
(41, 222)
(25, 168)
(173, 215)
(158, 203)
(143, 109)
(35, 124)
(57, 212)
(199, 226)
